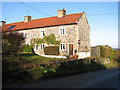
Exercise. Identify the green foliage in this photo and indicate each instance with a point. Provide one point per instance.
(111, 53)
(11, 44)
(51, 50)
(102, 51)
(50, 39)
(105, 51)
(64, 68)
(38, 41)
(36, 73)
(35, 59)
(26, 48)
(116, 55)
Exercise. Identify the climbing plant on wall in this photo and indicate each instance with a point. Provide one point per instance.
(50, 39)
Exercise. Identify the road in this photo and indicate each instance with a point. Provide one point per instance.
(107, 78)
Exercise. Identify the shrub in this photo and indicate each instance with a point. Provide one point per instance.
(105, 51)
(11, 44)
(26, 48)
(51, 50)
(111, 54)
(116, 55)
(35, 74)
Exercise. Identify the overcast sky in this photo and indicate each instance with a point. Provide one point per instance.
(102, 16)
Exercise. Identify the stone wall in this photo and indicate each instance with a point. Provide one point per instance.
(69, 36)
(83, 34)
(95, 51)
(73, 33)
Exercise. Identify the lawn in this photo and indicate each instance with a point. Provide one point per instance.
(33, 58)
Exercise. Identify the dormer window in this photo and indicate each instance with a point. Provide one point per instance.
(42, 33)
(62, 31)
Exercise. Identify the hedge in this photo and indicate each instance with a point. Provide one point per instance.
(105, 51)
(51, 50)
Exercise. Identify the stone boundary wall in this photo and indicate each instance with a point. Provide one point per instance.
(95, 51)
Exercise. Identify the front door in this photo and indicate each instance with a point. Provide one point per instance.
(70, 49)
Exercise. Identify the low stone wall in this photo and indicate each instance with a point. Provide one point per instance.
(95, 51)
(104, 60)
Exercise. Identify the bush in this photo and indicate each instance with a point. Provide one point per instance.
(35, 74)
(105, 51)
(11, 44)
(111, 53)
(26, 48)
(116, 55)
(51, 50)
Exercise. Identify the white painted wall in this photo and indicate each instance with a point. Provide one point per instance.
(83, 55)
(54, 56)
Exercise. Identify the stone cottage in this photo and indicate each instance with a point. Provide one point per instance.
(71, 30)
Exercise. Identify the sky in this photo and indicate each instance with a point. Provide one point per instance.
(102, 16)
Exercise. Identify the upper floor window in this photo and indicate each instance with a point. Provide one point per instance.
(62, 31)
(62, 46)
(22, 33)
(42, 33)
(42, 46)
(36, 47)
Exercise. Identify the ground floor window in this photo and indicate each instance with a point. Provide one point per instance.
(62, 46)
(36, 47)
(42, 46)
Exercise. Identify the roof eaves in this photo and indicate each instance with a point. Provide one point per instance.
(41, 27)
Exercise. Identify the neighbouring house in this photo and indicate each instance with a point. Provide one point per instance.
(71, 30)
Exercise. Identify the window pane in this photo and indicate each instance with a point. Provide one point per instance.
(36, 47)
(61, 46)
(41, 47)
(63, 31)
(43, 33)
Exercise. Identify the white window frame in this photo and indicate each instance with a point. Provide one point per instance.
(36, 48)
(22, 32)
(63, 44)
(42, 47)
(61, 31)
(42, 33)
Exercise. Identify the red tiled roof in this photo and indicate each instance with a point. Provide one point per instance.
(50, 21)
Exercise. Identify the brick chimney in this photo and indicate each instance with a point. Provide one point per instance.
(2, 23)
(61, 13)
(27, 18)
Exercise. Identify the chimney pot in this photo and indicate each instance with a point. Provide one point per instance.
(2, 23)
(27, 18)
(62, 13)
